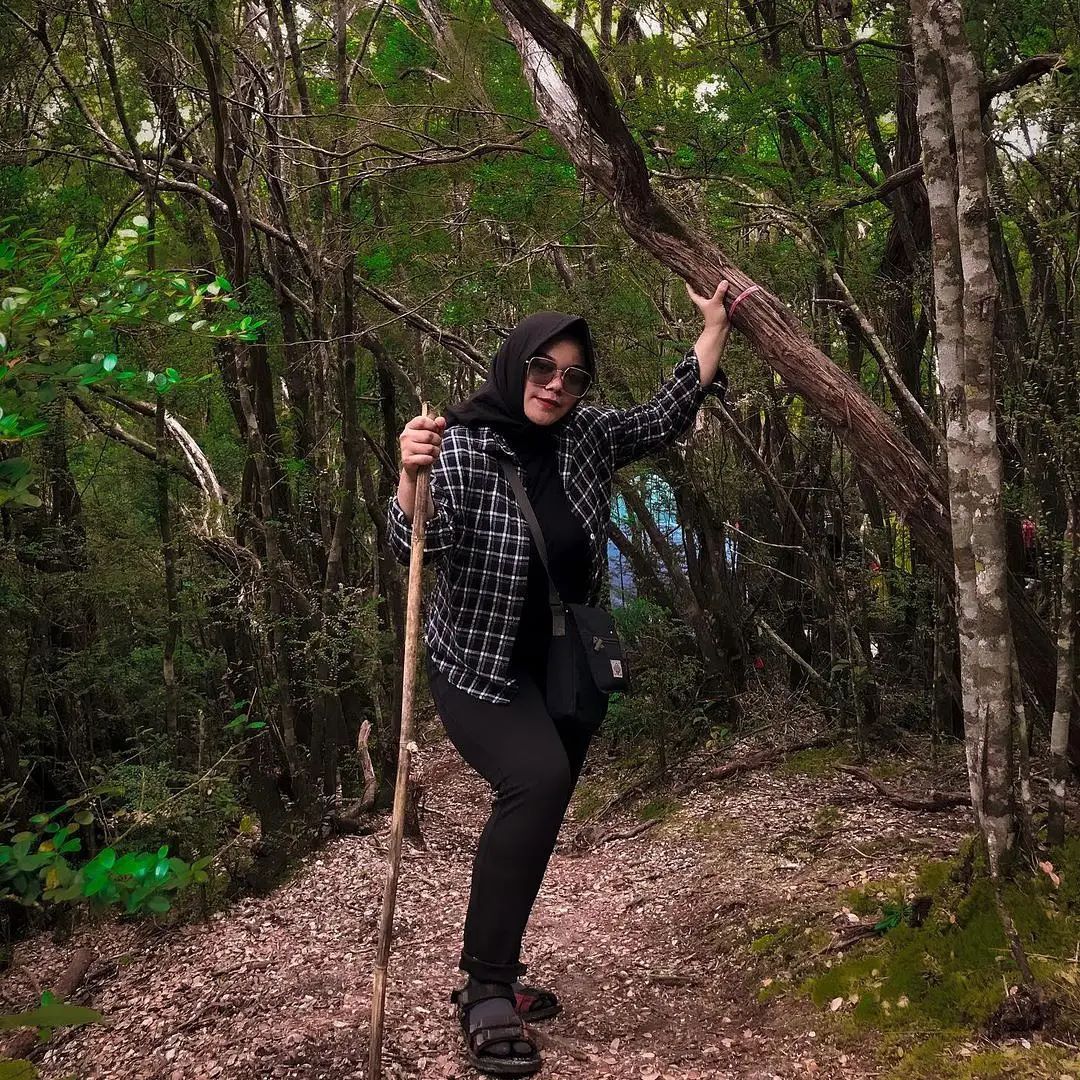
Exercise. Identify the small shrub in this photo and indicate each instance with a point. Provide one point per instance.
(35, 867)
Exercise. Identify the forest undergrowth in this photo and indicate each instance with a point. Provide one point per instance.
(787, 922)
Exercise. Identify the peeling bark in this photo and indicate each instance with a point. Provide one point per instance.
(965, 298)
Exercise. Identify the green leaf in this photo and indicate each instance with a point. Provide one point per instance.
(84, 817)
(51, 1016)
(158, 904)
(106, 858)
(140, 221)
(109, 362)
(93, 887)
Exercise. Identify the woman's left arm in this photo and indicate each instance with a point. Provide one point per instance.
(712, 340)
(666, 416)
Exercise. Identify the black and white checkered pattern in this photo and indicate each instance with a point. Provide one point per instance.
(479, 541)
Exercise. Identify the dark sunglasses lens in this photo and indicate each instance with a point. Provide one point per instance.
(576, 381)
(542, 370)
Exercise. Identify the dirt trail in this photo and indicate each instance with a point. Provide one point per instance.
(645, 939)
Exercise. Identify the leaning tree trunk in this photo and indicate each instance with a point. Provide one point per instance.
(965, 301)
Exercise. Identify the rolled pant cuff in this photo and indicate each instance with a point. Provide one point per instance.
(485, 972)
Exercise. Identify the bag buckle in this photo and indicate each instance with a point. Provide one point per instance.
(597, 644)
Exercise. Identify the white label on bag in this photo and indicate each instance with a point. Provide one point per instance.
(616, 668)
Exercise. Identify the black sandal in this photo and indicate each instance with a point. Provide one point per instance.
(481, 1037)
(533, 1003)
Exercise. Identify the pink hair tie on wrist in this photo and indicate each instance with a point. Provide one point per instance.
(741, 297)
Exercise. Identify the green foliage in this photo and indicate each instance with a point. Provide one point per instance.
(662, 711)
(73, 314)
(15, 474)
(50, 1014)
(34, 868)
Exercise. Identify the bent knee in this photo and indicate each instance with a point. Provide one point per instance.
(548, 785)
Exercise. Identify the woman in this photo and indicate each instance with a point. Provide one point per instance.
(489, 617)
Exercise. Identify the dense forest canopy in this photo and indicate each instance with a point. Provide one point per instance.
(242, 242)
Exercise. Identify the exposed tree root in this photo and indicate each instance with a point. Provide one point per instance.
(768, 756)
(937, 800)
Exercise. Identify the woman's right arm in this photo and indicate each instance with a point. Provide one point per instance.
(421, 445)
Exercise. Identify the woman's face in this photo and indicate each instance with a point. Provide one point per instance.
(548, 404)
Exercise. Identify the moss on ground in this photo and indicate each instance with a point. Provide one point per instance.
(826, 820)
(941, 1057)
(658, 809)
(588, 798)
(714, 827)
(820, 761)
(788, 942)
(930, 988)
(767, 943)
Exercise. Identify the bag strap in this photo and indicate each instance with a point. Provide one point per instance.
(558, 610)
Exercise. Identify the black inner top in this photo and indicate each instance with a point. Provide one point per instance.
(570, 557)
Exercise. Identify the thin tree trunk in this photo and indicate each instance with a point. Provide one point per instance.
(1059, 730)
(965, 293)
(172, 592)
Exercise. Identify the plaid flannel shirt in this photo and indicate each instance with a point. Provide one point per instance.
(479, 542)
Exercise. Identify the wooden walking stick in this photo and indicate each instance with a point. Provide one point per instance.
(406, 748)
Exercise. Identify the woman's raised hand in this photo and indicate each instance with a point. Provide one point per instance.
(421, 441)
(712, 307)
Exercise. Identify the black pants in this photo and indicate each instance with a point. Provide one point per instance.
(532, 764)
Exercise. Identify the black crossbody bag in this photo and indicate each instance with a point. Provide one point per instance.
(586, 662)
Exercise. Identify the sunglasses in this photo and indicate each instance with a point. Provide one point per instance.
(540, 370)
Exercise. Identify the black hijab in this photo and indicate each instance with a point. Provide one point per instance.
(500, 401)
